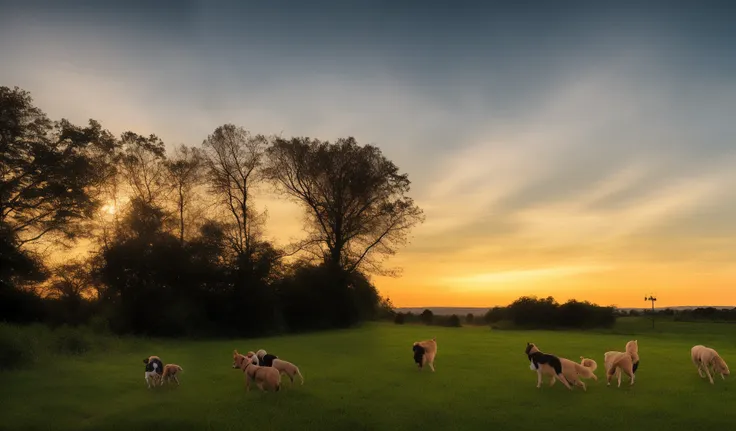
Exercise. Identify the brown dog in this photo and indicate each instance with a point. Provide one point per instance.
(170, 372)
(262, 376)
(706, 359)
(425, 353)
(626, 362)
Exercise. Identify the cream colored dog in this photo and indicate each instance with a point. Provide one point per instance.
(264, 377)
(574, 372)
(265, 359)
(425, 352)
(706, 358)
(628, 362)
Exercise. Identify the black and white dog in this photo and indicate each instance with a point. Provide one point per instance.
(544, 363)
(154, 369)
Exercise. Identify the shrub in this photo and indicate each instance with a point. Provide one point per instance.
(454, 321)
(427, 317)
(72, 341)
(399, 318)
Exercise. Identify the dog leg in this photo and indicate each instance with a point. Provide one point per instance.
(539, 379)
(431, 366)
(552, 381)
(700, 370)
(710, 378)
(177, 381)
(618, 373)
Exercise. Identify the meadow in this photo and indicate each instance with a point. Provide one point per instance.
(365, 379)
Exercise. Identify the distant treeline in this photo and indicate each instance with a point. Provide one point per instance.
(527, 312)
(709, 314)
(178, 242)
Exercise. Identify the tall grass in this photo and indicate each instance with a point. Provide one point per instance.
(24, 346)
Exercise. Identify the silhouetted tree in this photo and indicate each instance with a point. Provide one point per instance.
(399, 318)
(427, 317)
(47, 173)
(234, 158)
(454, 321)
(469, 319)
(355, 199)
(143, 167)
(184, 173)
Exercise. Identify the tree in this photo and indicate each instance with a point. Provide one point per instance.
(143, 166)
(469, 318)
(354, 197)
(184, 173)
(48, 173)
(234, 158)
(426, 317)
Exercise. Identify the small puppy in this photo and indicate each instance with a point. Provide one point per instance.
(170, 372)
(154, 370)
(265, 359)
(544, 363)
(262, 376)
(628, 362)
(705, 359)
(425, 353)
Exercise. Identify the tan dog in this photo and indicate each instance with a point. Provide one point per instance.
(425, 352)
(170, 372)
(262, 376)
(544, 363)
(626, 362)
(574, 372)
(265, 359)
(706, 358)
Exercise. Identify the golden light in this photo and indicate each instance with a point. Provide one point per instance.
(109, 209)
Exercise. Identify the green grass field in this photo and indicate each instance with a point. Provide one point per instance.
(365, 379)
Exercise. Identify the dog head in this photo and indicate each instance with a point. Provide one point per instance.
(720, 366)
(530, 348)
(418, 353)
(237, 359)
(632, 347)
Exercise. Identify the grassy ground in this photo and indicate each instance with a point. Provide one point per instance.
(365, 379)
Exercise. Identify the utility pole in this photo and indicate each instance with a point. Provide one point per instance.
(652, 299)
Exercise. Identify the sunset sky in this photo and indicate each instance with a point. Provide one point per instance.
(565, 149)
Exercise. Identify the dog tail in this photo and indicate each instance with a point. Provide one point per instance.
(585, 371)
(300, 374)
(179, 368)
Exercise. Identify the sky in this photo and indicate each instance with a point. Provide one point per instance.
(579, 150)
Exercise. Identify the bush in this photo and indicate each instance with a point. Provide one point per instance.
(71, 341)
(15, 351)
(454, 321)
(399, 318)
(427, 317)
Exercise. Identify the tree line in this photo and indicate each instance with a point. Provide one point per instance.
(177, 243)
(526, 312)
